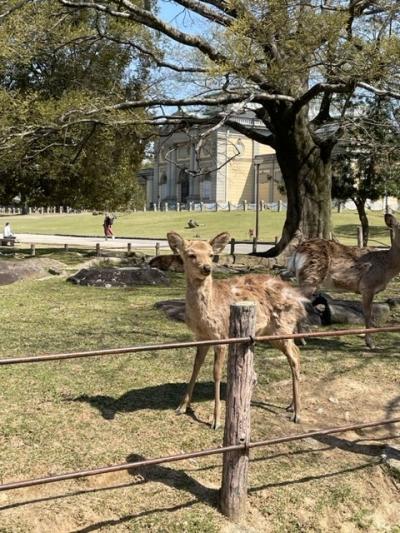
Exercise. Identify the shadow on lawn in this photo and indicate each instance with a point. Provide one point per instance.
(177, 479)
(165, 396)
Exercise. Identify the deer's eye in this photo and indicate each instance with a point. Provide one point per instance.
(211, 255)
(192, 256)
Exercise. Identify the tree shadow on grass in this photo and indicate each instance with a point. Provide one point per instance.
(177, 479)
(165, 396)
(174, 478)
(306, 479)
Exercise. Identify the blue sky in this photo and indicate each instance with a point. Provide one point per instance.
(180, 17)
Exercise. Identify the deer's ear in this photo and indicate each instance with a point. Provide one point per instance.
(390, 221)
(219, 242)
(175, 241)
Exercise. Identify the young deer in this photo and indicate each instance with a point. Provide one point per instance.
(318, 262)
(279, 308)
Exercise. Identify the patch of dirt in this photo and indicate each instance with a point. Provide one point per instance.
(12, 271)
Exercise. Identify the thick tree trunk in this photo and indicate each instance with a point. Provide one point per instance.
(306, 172)
(362, 215)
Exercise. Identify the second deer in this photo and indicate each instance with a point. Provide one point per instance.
(322, 263)
(279, 307)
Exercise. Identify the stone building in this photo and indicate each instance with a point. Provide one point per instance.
(226, 168)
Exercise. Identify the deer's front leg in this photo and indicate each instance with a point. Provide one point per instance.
(367, 298)
(289, 348)
(201, 353)
(219, 359)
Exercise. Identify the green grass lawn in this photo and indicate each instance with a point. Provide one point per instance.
(84, 413)
(152, 224)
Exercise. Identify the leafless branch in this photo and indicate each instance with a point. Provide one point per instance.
(380, 92)
(202, 9)
(142, 16)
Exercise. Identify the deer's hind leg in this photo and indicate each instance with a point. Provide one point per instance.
(289, 348)
(367, 298)
(201, 353)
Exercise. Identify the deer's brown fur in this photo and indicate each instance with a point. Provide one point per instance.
(321, 263)
(279, 307)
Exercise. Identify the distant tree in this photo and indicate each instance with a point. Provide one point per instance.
(60, 63)
(368, 167)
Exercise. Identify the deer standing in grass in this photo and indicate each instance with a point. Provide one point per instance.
(321, 263)
(279, 307)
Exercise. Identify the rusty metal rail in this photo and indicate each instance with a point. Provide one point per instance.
(190, 344)
(183, 456)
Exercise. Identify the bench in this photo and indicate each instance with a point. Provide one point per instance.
(7, 241)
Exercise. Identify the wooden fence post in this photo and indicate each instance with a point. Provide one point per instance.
(254, 245)
(98, 252)
(240, 382)
(65, 247)
(129, 247)
(360, 239)
(157, 248)
(33, 249)
(232, 243)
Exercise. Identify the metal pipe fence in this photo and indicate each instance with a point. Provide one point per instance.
(200, 453)
(190, 344)
(191, 455)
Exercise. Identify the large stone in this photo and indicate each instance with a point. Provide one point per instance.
(12, 271)
(334, 311)
(174, 309)
(119, 277)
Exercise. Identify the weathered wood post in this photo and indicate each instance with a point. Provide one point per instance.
(360, 239)
(240, 381)
(157, 248)
(129, 247)
(33, 249)
(65, 247)
(232, 243)
(254, 245)
(98, 252)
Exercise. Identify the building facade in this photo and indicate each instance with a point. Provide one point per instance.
(227, 167)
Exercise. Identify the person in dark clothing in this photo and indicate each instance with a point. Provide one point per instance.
(107, 225)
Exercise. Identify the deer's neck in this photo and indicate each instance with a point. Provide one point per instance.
(199, 295)
(200, 307)
(394, 258)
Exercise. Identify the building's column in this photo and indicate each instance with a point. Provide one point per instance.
(221, 177)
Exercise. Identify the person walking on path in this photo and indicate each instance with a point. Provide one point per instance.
(107, 225)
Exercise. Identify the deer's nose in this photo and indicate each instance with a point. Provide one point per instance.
(206, 269)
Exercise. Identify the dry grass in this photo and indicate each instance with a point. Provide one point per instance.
(83, 413)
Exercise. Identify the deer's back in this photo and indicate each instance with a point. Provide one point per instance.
(279, 306)
(320, 262)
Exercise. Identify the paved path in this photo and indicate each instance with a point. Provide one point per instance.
(117, 243)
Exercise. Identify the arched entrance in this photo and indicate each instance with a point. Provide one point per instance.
(184, 182)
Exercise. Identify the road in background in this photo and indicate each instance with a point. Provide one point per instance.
(117, 243)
